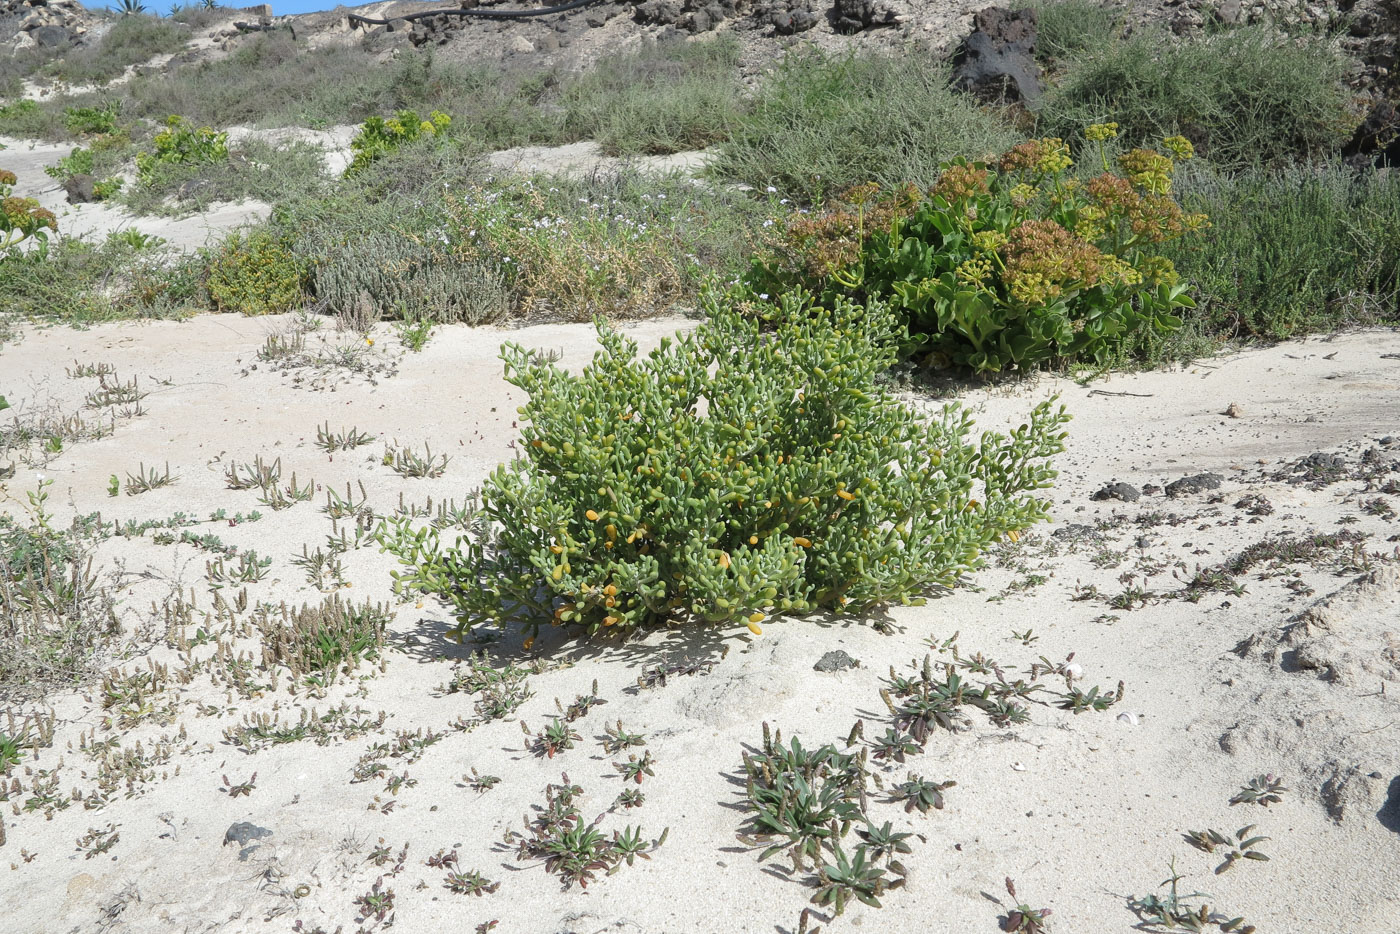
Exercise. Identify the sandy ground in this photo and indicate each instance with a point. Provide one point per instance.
(587, 158)
(27, 159)
(1082, 811)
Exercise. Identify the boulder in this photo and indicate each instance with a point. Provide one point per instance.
(52, 37)
(80, 189)
(850, 16)
(997, 61)
(1377, 139)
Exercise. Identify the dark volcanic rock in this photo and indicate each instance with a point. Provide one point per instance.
(854, 15)
(80, 189)
(52, 37)
(1197, 484)
(245, 835)
(1377, 140)
(836, 660)
(997, 62)
(1125, 492)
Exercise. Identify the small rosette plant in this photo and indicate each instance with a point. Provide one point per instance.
(22, 218)
(381, 135)
(1011, 264)
(731, 474)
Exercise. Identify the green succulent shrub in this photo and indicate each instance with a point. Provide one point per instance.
(92, 121)
(22, 218)
(255, 273)
(734, 472)
(380, 135)
(1001, 266)
(181, 143)
(96, 160)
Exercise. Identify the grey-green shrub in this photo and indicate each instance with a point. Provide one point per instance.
(668, 97)
(389, 275)
(1293, 251)
(731, 474)
(1067, 28)
(1243, 97)
(131, 40)
(821, 123)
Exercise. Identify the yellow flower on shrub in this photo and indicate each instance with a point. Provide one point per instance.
(1180, 147)
(21, 218)
(1046, 156)
(959, 181)
(1099, 132)
(975, 270)
(989, 241)
(1148, 170)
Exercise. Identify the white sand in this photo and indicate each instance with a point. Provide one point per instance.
(1081, 811)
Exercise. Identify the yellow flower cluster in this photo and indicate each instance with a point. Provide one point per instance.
(1099, 132)
(1046, 156)
(960, 181)
(1120, 271)
(976, 270)
(1044, 260)
(1158, 270)
(1180, 147)
(1033, 289)
(1148, 170)
(988, 241)
(1090, 223)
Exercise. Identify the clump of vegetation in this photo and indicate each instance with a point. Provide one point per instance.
(1289, 252)
(805, 801)
(820, 124)
(1011, 265)
(574, 851)
(381, 135)
(667, 97)
(55, 616)
(25, 119)
(181, 143)
(732, 473)
(22, 218)
(318, 641)
(1244, 97)
(255, 273)
(132, 40)
(1067, 29)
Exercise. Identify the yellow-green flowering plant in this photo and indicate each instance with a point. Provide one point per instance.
(734, 473)
(180, 143)
(22, 218)
(1004, 265)
(380, 135)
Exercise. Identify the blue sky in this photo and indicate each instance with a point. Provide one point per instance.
(280, 7)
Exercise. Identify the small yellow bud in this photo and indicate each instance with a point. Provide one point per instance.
(753, 539)
(592, 516)
(724, 559)
(755, 629)
(804, 542)
(846, 496)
